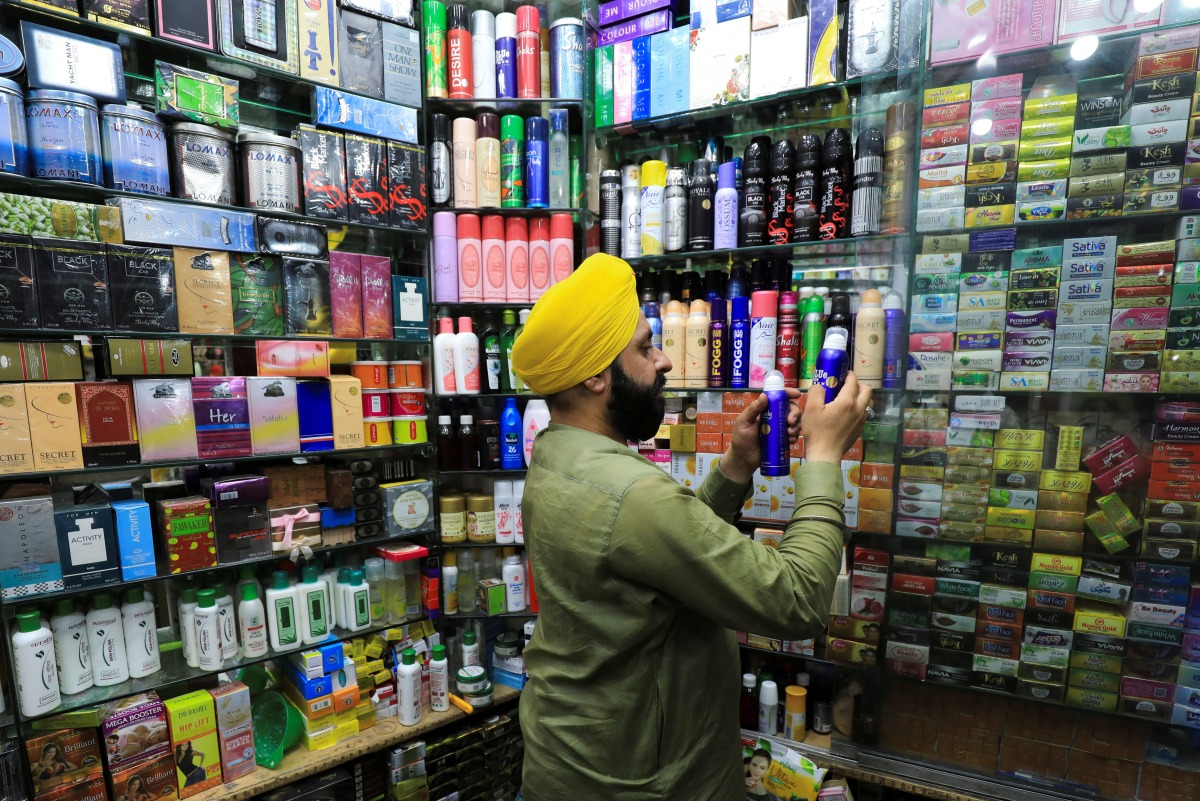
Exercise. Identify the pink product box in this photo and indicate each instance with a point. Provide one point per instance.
(966, 29)
(1139, 319)
(133, 729)
(1110, 454)
(1145, 688)
(931, 343)
(1002, 108)
(1002, 130)
(1087, 17)
(376, 296)
(1000, 86)
(1127, 472)
(1130, 382)
(1158, 42)
(346, 295)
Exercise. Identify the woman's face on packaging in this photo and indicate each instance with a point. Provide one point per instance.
(759, 766)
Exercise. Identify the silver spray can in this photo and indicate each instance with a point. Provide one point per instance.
(202, 163)
(566, 57)
(610, 212)
(631, 211)
(675, 211)
(270, 172)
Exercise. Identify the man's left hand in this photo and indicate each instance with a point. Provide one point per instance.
(744, 454)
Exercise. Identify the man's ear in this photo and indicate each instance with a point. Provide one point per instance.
(598, 384)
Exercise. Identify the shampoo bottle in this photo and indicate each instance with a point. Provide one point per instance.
(338, 597)
(773, 428)
(356, 600)
(187, 629)
(141, 634)
(508, 336)
(71, 653)
(33, 656)
(718, 368)
(281, 613)
(725, 225)
(313, 606)
(832, 363)
(510, 437)
(466, 358)
(252, 623)
(674, 333)
(445, 381)
(470, 649)
(106, 642)
(696, 346)
(487, 158)
(764, 308)
(739, 343)
(537, 417)
(869, 339)
(408, 688)
(439, 680)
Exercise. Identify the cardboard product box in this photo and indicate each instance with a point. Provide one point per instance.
(324, 172)
(401, 65)
(287, 357)
(40, 361)
(222, 417)
(194, 741)
(107, 427)
(135, 538)
(345, 393)
(18, 292)
(134, 730)
(186, 525)
(63, 757)
(305, 520)
(293, 485)
(31, 564)
(87, 546)
(242, 532)
(306, 297)
(53, 426)
(409, 506)
(232, 704)
(142, 288)
(92, 788)
(16, 446)
(274, 416)
(316, 416)
(406, 187)
(73, 285)
(784, 49)
(367, 179)
(345, 281)
(317, 35)
(155, 776)
(167, 419)
(360, 42)
(139, 357)
(256, 280)
(205, 291)
(720, 63)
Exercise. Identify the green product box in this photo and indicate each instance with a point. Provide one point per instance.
(1185, 295)
(1046, 170)
(257, 281)
(195, 96)
(1095, 679)
(1104, 663)
(149, 357)
(60, 219)
(1092, 699)
(1051, 128)
(1053, 582)
(40, 361)
(604, 86)
(491, 597)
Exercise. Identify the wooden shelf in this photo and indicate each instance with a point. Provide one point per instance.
(300, 763)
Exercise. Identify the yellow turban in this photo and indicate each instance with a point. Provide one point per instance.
(579, 326)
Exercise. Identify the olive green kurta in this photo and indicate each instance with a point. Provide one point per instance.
(633, 667)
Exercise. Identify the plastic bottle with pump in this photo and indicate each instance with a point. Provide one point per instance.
(106, 642)
(444, 373)
(466, 358)
(37, 676)
(282, 616)
(141, 634)
(696, 346)
(71, 654)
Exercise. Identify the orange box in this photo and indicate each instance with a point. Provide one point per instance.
(874, 522)
(855, 454)
(726, 440)
(797, 449)
(728, 421)
(876, 475)
(1174, 491)
(1176, 470)
(345, 699)
(709, 442)
(1168, 451)
(874, 499)
(708, 423)
(735, 402)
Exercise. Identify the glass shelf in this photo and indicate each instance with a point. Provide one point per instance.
(524, 106)
(42, 333)
(1102, 225)
(453, 545)
(693, 390)
(517, 304)
(275, 558)
(885, 246)
(522, 211)
(481, 616)
(418, 449)
(99, 195)
(175, 671)
(754, 649)
(462, 473)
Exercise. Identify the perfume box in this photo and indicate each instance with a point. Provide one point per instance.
(205, 294)
(361, 44)
(317, 37)
(18, 292)
(185, 225)
(306, 297)
(142, 288)
(345, 291)
(242, 532)
(234, 728)
(324, 171)
(54, 426)
(87, 546)
(641, 78)
(377, 296)
(783, 47)
(257, 284)
(133, 357)
(316, 416)
(345, 393)
(824, 33)
(40, 361)
(720, 63)
(107, 427)
(409, 301)
(155, 777)
(135, 539)
(239, 490)
(132, 15)
(363, 115)
(367, 177)
(186, 526)
(222, 417)
(401, 65)
(68, 62)
(263, 34)
(397, 11)
(191, 23)
(193, 96)
(16, 447)
(72, 281)
(167, 421)
(29, 562)
(670, 66)
(274, 417)
(287, 357)
(406, 186)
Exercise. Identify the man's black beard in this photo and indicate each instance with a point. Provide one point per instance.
(636, 410)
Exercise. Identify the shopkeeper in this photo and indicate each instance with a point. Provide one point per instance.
(633, 668)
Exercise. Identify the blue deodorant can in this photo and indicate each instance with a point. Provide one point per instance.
(774, 448)
(537, 163)
(566, 57)
(832, 363)
(739, 343)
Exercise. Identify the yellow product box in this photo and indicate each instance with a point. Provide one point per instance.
(1009, 535)
(1058, 106)
(683, 438)
(345, 397)
(922, 473)
(1106, 532)
(1022, 461)
(53, 426)
(992, 172)
(942, 95)
(1059, 481)
(1105, 663)
(873, 521)
(16, 447)
(192, 720)
(1062, 501)
(319, 741)
(1019, 439)
(1041, 149)
(1059, 521)
(987, 216)
(347, 729)
(1092, 699)
(1056, 563)
(1046, 128)
(1070, 444)
(1011, 518)
(1091, 619)
(1071, 541)
(1116, 511)
(203, 291)
(880, 500)
(765, 643)
(1046, 170)
(1180, 382)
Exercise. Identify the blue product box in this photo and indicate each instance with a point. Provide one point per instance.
(308, 688)
(135, 539)
(316, 416)
(995, 239)
(336, 518)
(29, 561)
(333, 655)
(175, 224)
(345, 112)
(87, 546)
(733, 9)
(508, 679)
(669, 72)
(641, 77)
(410, 297)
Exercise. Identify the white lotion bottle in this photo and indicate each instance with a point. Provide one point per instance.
(313, 606)
(338, 597)
(252, 623)
(537, 417)
(229, 647)
(450, 583)
(283, 627)
(506, 512)
(444, 381)
(356, 602)
(206, 621)
(71, 653)
(187, 617)
(408, 688)
(141, 634)
(768, 708)
(466, 358)
(518, 494)
(37, 676)
(106, 642)
(470, 649)
(513, 574)
(439, 680)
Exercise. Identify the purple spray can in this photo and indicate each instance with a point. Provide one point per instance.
(774, 447)
(893, 342)
(445, 257)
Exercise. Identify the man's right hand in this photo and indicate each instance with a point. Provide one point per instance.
(829, 431)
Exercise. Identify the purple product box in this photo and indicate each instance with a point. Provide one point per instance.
(1041, 320)
(222, 417)
(1029, 342)
(655, 22)
(997, 239)
(1001, 108)
(1025, 360)
(620, 10)
(236, 490)
(133, 729)
(1189, 198)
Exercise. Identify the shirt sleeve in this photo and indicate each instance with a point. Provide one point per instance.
(667, 538)
(722, 494)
